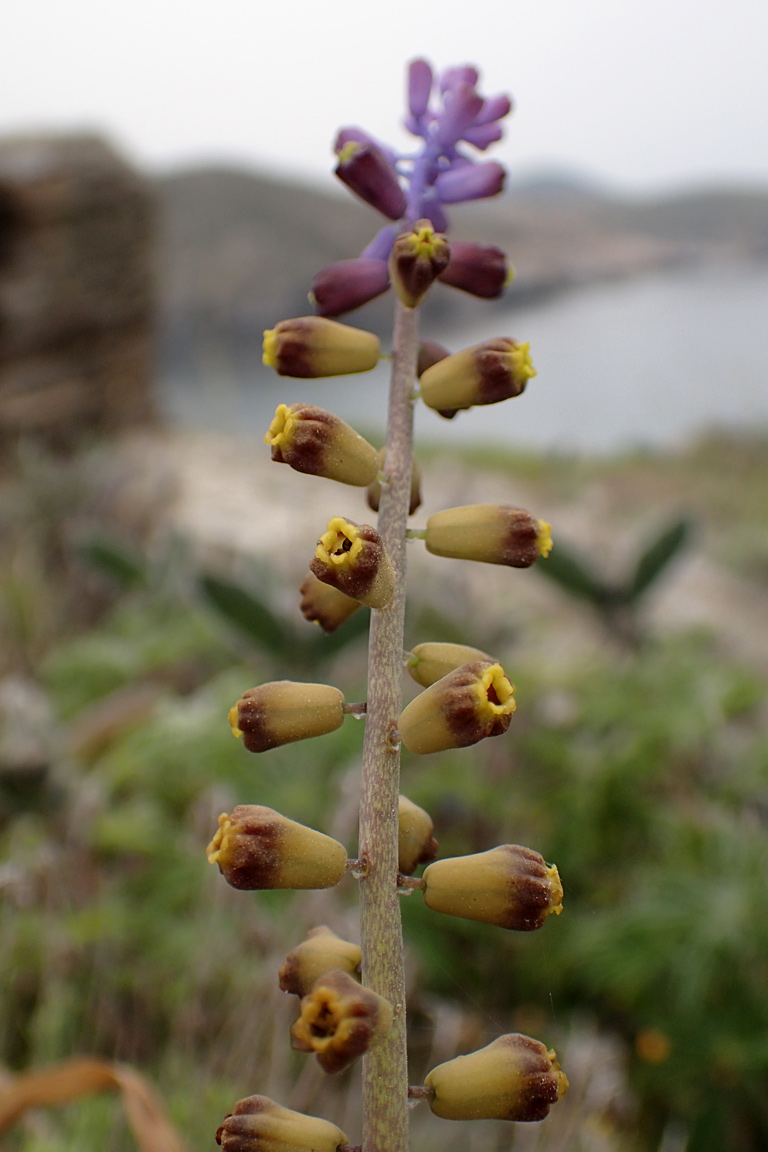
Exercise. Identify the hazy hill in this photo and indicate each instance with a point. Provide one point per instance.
(239, 249)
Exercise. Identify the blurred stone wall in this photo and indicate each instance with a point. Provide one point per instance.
(77, 295)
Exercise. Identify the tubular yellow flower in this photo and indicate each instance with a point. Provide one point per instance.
(418, 257)
(474, 701)
(318, 443)
(351, 558)
(509, 886)
(415, 842)
(373, 495)
(340, 1020)
(283, 711)
(257, 848)
(432, 660)
(492, 533)
(258, 1124)
(322, 951)
(495, 370)
(513, 1078)
(311, 346)
(321, 604)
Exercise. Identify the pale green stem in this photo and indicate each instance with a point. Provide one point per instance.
(385, 1071)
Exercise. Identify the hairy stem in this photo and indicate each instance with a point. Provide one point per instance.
(385, 1072)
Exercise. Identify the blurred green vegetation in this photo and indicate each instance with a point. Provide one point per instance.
(642, 774)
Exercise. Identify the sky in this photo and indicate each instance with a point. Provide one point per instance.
(646, 95)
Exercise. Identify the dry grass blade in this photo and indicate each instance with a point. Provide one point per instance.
(73, 1079)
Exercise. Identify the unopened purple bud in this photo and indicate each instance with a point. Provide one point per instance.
(464, 74)
(368, 172)
(460, 107)
(354, 135)
(483, 136)
(347, 284)
(470, 182)
(420, 81)
(494, 108)
(480, 269)
(381, 245)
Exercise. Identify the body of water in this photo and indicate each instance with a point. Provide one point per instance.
(651, 362)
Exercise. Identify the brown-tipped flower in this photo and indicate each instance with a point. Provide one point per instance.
(373, 495)
(340, 1020)
(257, 848)
(513, 1078)
(283, 711)
(321, 952)
(480, 269)
(258, 1124)
(492, 533)
(351, 558)
(474, 701)
(415, 841)
(432, 660)
(312, 346)
(484, 374)
(318, 443)
(321, 604)
(509, 886)
(418, 257)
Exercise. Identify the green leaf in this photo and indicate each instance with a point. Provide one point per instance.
(572, 574)
(657, 556)
(112, 558)
(250, 616)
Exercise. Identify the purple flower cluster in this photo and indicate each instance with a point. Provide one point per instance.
(412, 187)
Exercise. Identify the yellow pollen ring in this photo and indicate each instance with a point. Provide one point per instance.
(350, 149)
(544, 538)
(233, 716)
(522, 365)
(281, 428)
(213, 851)
(269, 348)
(556, 899)
(340, 544)
(496, 692)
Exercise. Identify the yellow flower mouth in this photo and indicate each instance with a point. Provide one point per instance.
(341, 544)
(522, 365)
(281, 428)
(215, 848)
(496, 692)
(233, 716)
(544, 538)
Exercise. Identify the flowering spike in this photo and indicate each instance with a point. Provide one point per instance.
(258, 1124)
(369, 173)
(513, 1078)
(322, 951)
(340, 1020)
(486, 373)
(492, 533)
(312, 346)
(318, 443)
(418, 257)
(256, 848)
(474, 701)
(351, 558)
(284, 711)
(509, 886)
